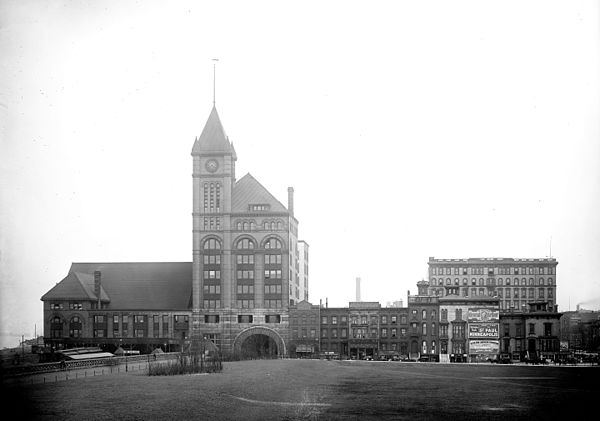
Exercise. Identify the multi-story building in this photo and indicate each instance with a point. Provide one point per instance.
(530, 334)
(302, 286)
(236, 292)
(516, 282)
(304, 330)
(580, 330)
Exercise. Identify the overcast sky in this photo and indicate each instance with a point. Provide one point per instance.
(407, 129)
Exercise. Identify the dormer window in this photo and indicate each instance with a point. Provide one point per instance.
(259, 207)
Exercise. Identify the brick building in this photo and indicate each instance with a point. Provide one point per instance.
(247, 269)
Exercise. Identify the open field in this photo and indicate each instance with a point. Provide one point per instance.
(315, 390)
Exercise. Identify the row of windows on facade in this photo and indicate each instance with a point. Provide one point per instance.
(514, 305)
(120, 325)
(374, 333)
(245, 303)
(212, 197)
(502, 270)
(269, 318)
(498, 292)
(393, 319)
(492, 282)
(243, 274)
(271, 225)
(243, 289)
(242, 244)
(519, 328)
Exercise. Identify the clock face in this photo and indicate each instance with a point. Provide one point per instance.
(212, 165)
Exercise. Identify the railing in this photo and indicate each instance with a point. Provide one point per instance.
(93, 362)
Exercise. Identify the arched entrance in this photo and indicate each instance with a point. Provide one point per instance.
(259, 342)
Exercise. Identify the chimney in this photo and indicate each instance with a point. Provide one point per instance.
(357, 290)
(291, 200)
(326, 302)
(97, 285)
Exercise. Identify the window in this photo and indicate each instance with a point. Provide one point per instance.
(547, 329)
(424, 347)
(245, 303)
(324, 332)
(245, 318)
(75, 327)
(394, 319)
(424, 329)
(212, 244)
(444, 330)
(384, 333)
(245, 244)
(394, 332)
(383, 320)
(532, 328)
(56, 306)
(334, 320)
(273, 318)
(76, 306)
(273, 243)
(433, 329)
(414, 314)
(344, 333)
(424, 315)
(211, 318)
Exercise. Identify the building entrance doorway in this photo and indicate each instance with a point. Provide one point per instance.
(259, 342)
(259, 346)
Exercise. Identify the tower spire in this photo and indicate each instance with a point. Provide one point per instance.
(214, 79)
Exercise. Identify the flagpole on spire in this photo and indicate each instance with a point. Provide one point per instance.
(214, 79)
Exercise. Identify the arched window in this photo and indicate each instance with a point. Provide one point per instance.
(465, 281)
(273, 226)
(500, 282)
(239, 226)
(424, 347)
(273, 243)
(245, 244)
(212, 244)
(75, 327)
(56, 327)
(279, 225)
(448, 281)
(433, 314)
(549, 281)
(246, 226)
(480, 282)
(252, 226)
(433, 282)
(433, 347)
(456, 281)
(530, 281)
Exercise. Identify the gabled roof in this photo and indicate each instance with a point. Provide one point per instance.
(213, 138)
(248, 191)
(75, 286)
(134, 285)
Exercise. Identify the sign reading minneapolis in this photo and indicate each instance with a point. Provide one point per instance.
(483, 315)
(483, 330)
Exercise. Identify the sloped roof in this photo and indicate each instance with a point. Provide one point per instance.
(247, 191)
(213, 137)
(75, 286)
(138, 286)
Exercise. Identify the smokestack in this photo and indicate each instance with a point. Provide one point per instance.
(291, 200)
(357, 289)
(97, 285)
(326, 302)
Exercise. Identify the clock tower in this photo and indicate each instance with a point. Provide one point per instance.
(213, 180)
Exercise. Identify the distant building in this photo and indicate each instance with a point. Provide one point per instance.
(531, 334)
(515, 282)
(580, 330)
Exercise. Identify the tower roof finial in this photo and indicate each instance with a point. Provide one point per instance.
(214, 80)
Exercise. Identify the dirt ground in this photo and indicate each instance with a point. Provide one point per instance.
(319, 390)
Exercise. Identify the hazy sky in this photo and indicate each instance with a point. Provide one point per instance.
(407, 129)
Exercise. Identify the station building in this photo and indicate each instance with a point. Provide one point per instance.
(247, 268)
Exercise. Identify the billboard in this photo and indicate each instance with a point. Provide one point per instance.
(484, 347)
(483, 330)
(483, 315)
